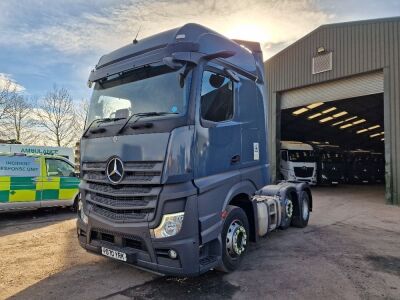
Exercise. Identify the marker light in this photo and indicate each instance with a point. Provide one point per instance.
(314, 105)
(314, 116)
(325, 119)
(299, 111)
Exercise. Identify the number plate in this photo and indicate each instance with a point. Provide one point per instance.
(113, 254)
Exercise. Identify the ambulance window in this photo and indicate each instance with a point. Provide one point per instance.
(59, 168)
(284, 155)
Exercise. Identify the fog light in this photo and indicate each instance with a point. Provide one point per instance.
(172, 254)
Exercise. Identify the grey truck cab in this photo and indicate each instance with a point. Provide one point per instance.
(174, 161)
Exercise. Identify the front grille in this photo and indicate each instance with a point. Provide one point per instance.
(303, 172)
(134, 199)
(117, 239)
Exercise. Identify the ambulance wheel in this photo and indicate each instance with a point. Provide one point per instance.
(74, 206)
(235, 239)
(301, 220)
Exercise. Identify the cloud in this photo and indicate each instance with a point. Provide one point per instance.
(98, 29)
(6, 79)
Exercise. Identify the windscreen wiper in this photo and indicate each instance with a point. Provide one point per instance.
(85, 134)
(144, 114)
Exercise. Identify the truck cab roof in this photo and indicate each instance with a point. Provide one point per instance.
(186, 39)
(294, 145)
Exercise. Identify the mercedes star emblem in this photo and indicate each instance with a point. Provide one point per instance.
(115, 170)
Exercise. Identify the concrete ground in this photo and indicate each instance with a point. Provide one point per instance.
(351, 250)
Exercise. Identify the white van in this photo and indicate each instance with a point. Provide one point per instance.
(297, 162)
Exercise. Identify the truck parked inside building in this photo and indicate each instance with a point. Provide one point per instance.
(330, 164)
(359, 166)
(297, 162)
(174, 159)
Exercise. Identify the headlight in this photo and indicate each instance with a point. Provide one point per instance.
(170, 225)
(81, 213)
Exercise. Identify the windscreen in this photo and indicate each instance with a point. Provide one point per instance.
(301, 155)
(332, 157)
(148, 89)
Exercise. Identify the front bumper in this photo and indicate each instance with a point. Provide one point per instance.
(144, 251)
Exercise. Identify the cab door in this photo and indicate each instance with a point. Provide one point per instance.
(60, 182)
(20, 182)
(218, 136)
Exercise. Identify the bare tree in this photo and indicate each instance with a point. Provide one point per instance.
(56, 115)
(19, 121)
(81, 111)
(8, 91)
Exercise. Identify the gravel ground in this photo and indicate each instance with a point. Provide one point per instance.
(349, 250)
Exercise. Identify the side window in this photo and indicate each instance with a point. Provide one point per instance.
(59, 168)
(216, 97)
(284, 155)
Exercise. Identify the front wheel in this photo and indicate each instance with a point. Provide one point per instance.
(235, 238)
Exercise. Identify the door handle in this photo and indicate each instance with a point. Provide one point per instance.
(235, 159)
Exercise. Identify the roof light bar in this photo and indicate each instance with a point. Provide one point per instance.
(314, 116)
(329, 110)
(346, 125)
(343, 113)
(299, 111)
(325, 119)
(314, 105)
(361, 131)
(359, 121)
(337, 123)
(376, 134)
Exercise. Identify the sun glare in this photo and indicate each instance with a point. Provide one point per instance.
(250, 32)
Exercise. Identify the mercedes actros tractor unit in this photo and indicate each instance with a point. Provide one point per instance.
(174, 158)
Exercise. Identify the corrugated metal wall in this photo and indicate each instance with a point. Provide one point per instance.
(358, 47)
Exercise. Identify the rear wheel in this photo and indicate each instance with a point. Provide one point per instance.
(235, 238)
(301, 220)
(287, 211)
(74, 206)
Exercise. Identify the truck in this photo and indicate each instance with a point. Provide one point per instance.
(175, 176)
(31, 181)
(298, 162)
(359, 166)
(330, 164)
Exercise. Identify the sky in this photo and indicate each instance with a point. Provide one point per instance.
(46, 42)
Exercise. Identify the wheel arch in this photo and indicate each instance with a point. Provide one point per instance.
(240, 195)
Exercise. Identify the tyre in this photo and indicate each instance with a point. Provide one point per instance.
(301, 220)
(235, 239)
(287, 212)
(74, 206)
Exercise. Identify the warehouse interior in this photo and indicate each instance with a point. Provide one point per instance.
(353, 124)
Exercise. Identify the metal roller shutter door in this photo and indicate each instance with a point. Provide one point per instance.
(361, 85)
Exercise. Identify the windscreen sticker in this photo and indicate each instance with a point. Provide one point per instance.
(174, 109)
(19, 166)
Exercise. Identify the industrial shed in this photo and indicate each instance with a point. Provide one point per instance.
(340, 84)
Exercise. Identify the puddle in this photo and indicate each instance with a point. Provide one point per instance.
(388, 264)
(207, 286)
